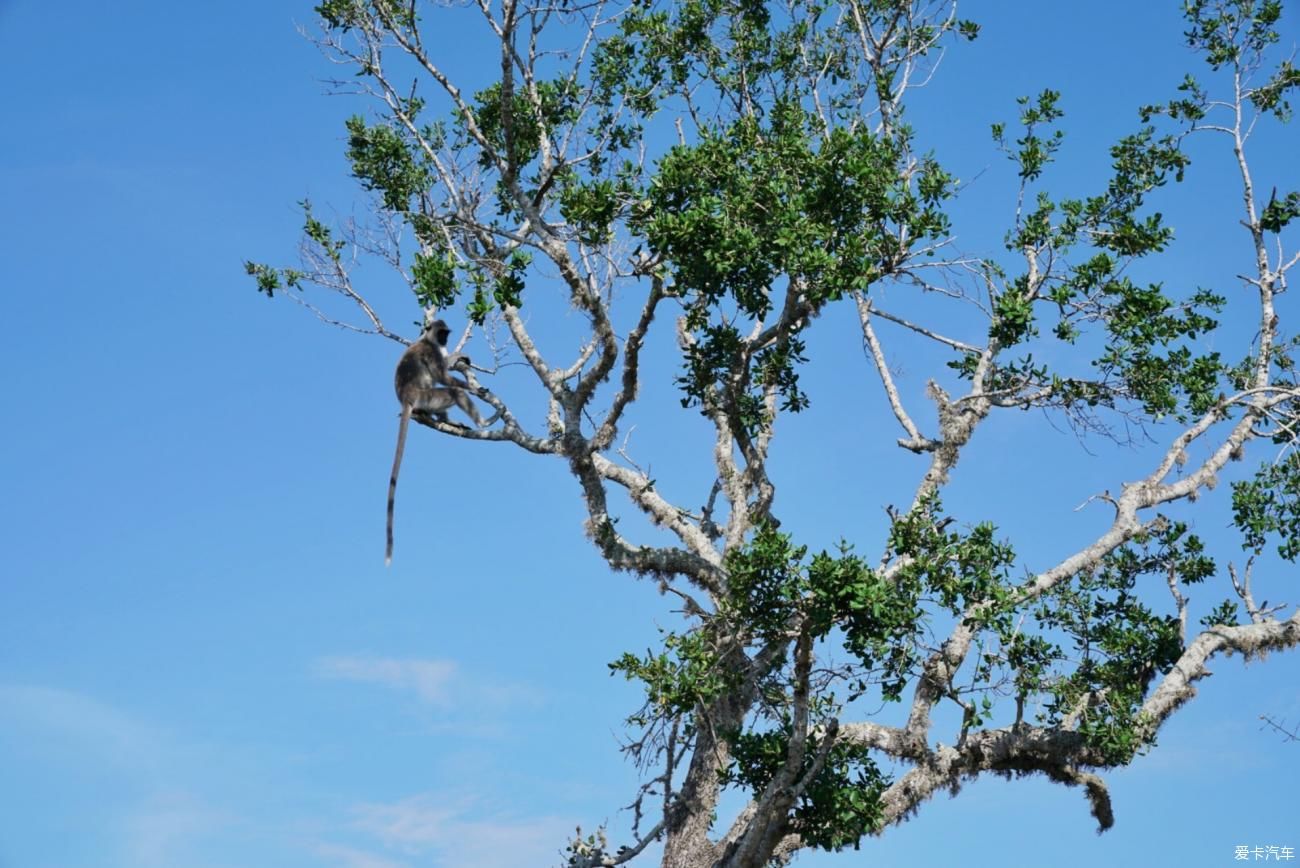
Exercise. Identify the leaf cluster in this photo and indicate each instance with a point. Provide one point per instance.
(1268, 506)
(841, 803)
(383, 161)
(765, 202)
(758, 201)
(557, 104)
(773, 586)
(1120, 643)
(680, 680)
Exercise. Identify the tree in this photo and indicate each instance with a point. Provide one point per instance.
(748, 166)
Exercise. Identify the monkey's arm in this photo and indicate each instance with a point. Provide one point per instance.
(456, 362)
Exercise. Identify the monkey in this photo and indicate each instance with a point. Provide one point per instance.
(425, 385)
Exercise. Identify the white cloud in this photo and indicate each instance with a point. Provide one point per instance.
(166, 830)
(440, 683)
(96, 729)
(445, 828)
(411, 824)
(428, 679)
(351, 857)
(156, 819)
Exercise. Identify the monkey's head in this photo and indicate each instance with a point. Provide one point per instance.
(440, 332)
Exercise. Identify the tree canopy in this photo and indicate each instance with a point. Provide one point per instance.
(730, 172)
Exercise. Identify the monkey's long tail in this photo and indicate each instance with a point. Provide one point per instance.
(392, 480)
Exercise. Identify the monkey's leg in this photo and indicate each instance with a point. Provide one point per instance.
(463, 402)
(435, 402)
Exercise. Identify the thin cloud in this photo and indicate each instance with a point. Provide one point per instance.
(445, 828)
(351, 857)
(169, 829)
(97, 729)
(440, 683)
(428, 679)
(412, 824)
(156, 818)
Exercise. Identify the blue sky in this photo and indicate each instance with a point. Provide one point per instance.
(203, 661)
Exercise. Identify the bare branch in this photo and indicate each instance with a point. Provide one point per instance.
(914, 440)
